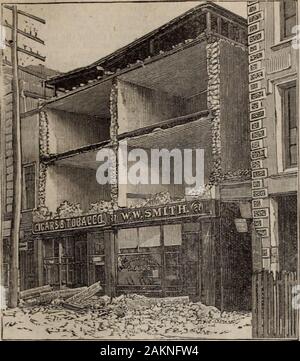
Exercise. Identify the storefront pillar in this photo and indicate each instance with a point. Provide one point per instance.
(39, 261)
(111, 247)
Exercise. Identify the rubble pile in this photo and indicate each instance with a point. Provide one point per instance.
(125, 317)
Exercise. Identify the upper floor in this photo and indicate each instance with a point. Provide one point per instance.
(187, 89)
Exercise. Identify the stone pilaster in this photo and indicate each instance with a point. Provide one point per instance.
(42, 185)
(44, 134)
(213, 102)
(114, 140)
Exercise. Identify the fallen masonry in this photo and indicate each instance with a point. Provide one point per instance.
(125, 317)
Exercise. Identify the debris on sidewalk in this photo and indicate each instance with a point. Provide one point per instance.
(82, 299)
(126, 317)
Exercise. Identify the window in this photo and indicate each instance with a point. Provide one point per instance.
(28, 186)
(288, 17)
(290, 121)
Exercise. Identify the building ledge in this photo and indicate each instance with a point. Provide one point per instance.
(282, 44)
(292, 173)
(87, 148)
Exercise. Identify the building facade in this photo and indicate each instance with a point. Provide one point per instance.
(273, 70)
(33, 92)
(182, 86)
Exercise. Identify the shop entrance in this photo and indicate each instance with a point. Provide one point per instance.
(74, 260)
(80, 263)
(65, 261)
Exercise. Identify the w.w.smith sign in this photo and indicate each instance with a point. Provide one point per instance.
(127, 216)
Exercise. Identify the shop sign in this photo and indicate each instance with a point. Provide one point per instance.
(86, 221)
(128, 216)
(169, 211)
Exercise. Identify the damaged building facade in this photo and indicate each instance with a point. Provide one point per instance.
(182, 86)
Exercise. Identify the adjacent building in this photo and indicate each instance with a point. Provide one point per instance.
(274, 121)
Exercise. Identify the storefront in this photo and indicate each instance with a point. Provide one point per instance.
(184, 248)
(159, 260)
(73, 259)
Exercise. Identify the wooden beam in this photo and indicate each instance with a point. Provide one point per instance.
(17, 172)
(24, 33)
(24, 13)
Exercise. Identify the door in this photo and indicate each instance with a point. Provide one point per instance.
(191, 259)
(80, 263)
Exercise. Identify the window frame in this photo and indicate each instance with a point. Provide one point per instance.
(24, 201)
(283, 19)
(285, 125)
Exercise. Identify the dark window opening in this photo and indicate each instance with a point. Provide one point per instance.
(290, 122)
(29, 188)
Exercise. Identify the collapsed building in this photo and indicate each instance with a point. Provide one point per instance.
(182, 86)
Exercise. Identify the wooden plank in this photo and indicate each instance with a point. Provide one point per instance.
(34, 292)
(48, 297)
(81, 299)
